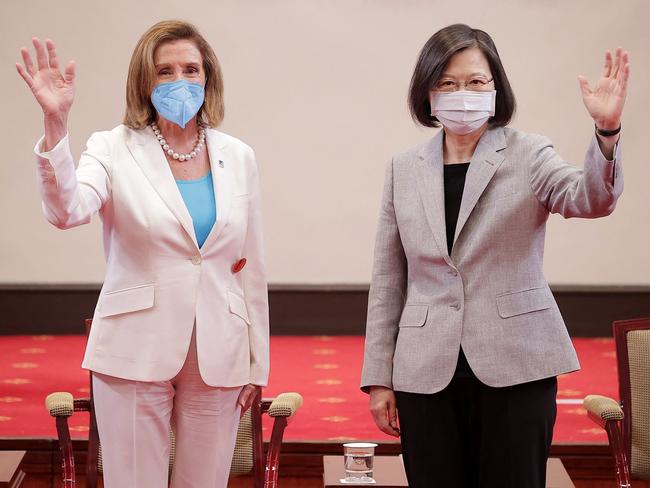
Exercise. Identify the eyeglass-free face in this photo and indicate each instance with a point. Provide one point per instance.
(466, 70)
(179, 60)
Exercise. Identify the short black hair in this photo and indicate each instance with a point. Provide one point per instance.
(432, 61)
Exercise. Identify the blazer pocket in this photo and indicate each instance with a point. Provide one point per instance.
(237, 306)
(414, 315)
(524, 301)
(126, 300)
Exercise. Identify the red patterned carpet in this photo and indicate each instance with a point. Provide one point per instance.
(325, 370)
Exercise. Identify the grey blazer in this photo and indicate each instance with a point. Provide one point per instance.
(490, 295)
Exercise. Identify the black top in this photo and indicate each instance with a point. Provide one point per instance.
(454, 184)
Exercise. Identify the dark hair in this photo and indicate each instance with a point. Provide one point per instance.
(432, 61)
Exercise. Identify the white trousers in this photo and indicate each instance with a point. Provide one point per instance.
(134, 417)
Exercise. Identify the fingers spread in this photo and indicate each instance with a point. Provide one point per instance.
(54, 62)
(625, 61)
(25, 75)
(607, 67)
(621, 81)
(27, 59)
(617, 62)
(584, 85)
(41, 57)
(69, 72)
(625, 57)
(623, 74)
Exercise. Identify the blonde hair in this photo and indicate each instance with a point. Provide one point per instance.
(140, 112)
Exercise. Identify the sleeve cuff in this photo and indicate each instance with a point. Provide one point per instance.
(599, 151)
(615, 153)
(57, 153)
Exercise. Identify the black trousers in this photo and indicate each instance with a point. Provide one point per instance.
(470, 435)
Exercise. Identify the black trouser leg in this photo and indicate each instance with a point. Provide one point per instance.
(470, 435)
(433, 429)
(516, 434)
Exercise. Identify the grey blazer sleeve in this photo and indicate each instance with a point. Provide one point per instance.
(572, 192)
(387, 292)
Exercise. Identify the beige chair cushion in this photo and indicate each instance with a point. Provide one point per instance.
(60, 404)
(242, 459)
(603, 407)
(638, 344)
(285, 404)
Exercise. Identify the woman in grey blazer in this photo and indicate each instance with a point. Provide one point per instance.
(464, 339)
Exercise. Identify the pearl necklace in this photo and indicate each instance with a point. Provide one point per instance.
(200, 143)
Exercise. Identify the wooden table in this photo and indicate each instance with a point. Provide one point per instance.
(389, 473)
(556, 475)
(11, 474)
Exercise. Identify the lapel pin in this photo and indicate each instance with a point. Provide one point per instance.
(220, 163)
(238, 266)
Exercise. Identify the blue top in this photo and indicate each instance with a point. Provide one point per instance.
(200, 202)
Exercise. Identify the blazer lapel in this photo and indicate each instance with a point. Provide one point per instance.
(149, 156)
(430, 183)
(485, 161)
(221, 167)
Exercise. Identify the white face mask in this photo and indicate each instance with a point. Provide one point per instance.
(463, 112)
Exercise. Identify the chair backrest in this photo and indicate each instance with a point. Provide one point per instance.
(633, 356)
(248, 457)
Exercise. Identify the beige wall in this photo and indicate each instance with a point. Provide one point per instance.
(318, 89)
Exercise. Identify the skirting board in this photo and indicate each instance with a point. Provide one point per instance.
(305, 309)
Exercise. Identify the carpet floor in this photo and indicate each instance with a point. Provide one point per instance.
(324, 369)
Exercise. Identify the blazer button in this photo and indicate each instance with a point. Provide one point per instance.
(455, 306)
(196, 259)
(453, 272)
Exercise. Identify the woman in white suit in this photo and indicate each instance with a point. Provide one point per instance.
(180, 331)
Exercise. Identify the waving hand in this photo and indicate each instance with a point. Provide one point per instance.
(53, 90)
(606, 99)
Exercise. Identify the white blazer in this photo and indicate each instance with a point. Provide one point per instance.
(158, 282)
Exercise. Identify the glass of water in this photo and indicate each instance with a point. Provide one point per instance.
(358, 458)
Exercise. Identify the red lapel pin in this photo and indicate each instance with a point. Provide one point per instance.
(238, 266)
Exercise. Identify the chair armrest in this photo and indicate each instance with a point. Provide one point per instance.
(60, 404)
(285, 405)
(608, 414)
(282, 408)
(603, 408)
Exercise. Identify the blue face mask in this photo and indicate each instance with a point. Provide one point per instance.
(178, 101)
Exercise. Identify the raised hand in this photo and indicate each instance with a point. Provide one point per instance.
(53, 91)
(605, 101)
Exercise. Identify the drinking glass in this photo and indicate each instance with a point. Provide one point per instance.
(358, 459)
